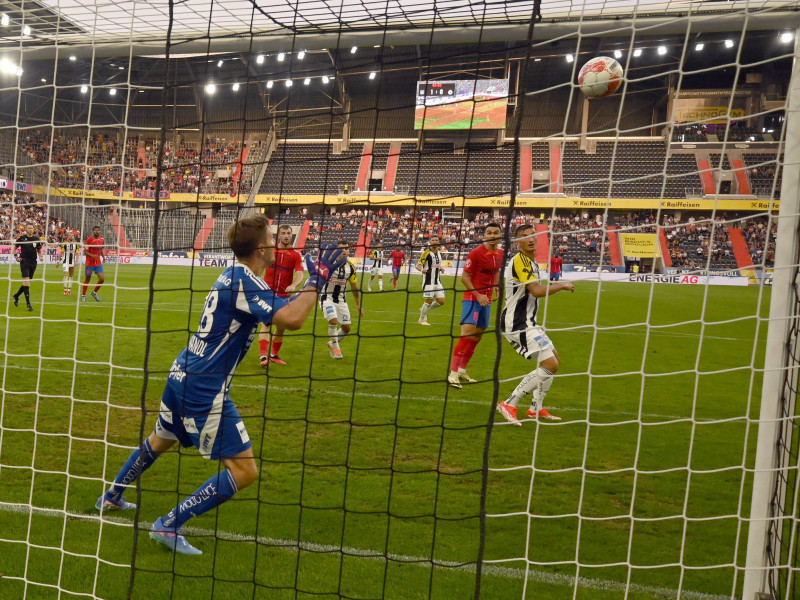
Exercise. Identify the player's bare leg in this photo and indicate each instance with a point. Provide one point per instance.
(428, 305)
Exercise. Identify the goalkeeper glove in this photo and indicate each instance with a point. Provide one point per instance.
(330, 258)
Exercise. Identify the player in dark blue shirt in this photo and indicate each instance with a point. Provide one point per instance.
(195, 407)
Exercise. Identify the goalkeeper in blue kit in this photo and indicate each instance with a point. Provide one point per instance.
(195, 407)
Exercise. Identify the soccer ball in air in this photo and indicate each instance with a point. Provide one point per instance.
(600, 77)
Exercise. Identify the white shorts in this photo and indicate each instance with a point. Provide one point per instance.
(531, 343)
(67, 266)
(376, 271)
(435, 290)
(336, 310)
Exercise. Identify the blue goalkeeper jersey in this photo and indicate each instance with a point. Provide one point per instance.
(234, 307)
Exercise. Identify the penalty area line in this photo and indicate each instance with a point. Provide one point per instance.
(489, 567)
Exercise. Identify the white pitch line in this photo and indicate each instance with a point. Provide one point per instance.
(294, 546)
(395, 396)
(583, 327)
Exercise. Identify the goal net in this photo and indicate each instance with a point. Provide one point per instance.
(665, 462)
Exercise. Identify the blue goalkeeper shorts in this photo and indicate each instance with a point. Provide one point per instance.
(215, 428)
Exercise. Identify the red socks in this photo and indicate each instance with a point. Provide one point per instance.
(462, 353)
(469, 350)
(268, 349)
(86, 286)
(458, 354)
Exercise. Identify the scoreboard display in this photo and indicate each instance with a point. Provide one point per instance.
(461, 104)
(435, 89)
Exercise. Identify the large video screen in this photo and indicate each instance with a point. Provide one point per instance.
(461, 104)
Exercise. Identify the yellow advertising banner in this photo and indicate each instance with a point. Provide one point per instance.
(644, 245)
(708, 114)
(389, 201)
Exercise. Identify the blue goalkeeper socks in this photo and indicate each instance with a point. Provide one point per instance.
(212, 493)
(138, 462)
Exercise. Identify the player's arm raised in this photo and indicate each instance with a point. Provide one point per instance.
(466, 279)
(294, 313)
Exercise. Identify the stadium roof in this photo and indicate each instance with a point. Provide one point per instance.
(140, 27)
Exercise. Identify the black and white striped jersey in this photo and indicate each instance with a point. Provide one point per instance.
(336, 287)
(431, 261)
(521, 306)
(69, 254)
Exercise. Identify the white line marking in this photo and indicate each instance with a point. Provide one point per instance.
(294, 546)
(571, 327)
(279, 388)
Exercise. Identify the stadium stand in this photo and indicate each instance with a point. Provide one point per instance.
(764, 173)
(177, 228)
(714, 158)
(217, 241)
(481, 170)
(760, 237)
(188, 167)
(311, 169)
(590, 175)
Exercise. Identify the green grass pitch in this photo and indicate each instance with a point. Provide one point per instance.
(374, 456)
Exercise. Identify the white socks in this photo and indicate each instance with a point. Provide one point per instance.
(336, 334)
(67, 281)
(536, 382)
(426, 308)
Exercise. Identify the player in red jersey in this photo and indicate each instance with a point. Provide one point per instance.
(397, 257)
(283, 276)
(93, 251)
(480, 277)
(555, 267)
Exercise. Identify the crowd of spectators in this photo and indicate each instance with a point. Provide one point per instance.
(691, 243)
(578, 236)
(187, 167)
(17, 214)
(760, 237)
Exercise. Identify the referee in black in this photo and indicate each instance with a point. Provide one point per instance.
(29, 248)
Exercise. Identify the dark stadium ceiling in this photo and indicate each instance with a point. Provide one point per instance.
(51, 28)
